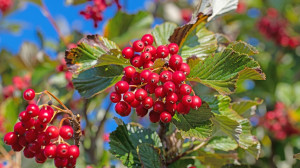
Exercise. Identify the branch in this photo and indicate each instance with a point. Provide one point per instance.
(101, 125)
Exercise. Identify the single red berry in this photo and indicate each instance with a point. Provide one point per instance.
(185, 89)
(22, 141)
(40, 157)
(178, 77)
(24, 116)
(19, 129)
(27, 153)
(29, 94)
(33, 110)
(66, 132)
(153, 116)
(135, 103)
(10, 138)
(147, 39)
(28, 124)
(173, 48)
(196, 102)
(172, 98)
(144, 75)
(121, 87)
(148, 64)
(162, 51)
(151, 49)
(137, 61)
(45, 116)
(165, 76)
(124, 78)
(159, 92)
(169, 87)
(187, 100)
(185, 68)
(165, 117)
(73, 152)
(127, 52)
(52, 132)
(153, 78)
(60, 162)
(141, 111)
(62, 150)
(123, 109)
(115, 97)
(147, 103)
(182, 109)
(50, 151)
(43, 139)
(136, 78)
(140, 94)
(159, 106)
(49, 109)
(146, 56)
(129, 71)
(138, 46)
(171, 107)
(39, 127)
(30, 135)
(150, 88)
(34, 147)
(16, 147)
(71, 163)
(128, 97)
(175, 61)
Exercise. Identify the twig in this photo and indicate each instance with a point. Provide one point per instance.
(100, 127)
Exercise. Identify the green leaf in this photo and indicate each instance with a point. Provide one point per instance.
(125, 140)
(124, 27)
(94, 50)
(229, 126)
(10, 109)
(149, 156)
(94, 81)
(216, 160)
(242, 106)
(195, 124)
(223, 143)
(297, 156)
(163, 32)
(222, 70)
(182, 163)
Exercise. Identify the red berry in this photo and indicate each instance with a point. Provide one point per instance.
(171, 108)
(185, 89)
(185, 68)
(127, 52)
(43, 139)
(124, 78)
(24, 116)
(137, 61)
(165, 76)
(48, 108)
(50, 151)
(66, 132)
(159, 92)
(73, 152)
(140, 94)
(153, 116)
(22, 141)
(10, 138)
(115, 97)
(169, 87)
(150, 88)
(147, 39)
(187, 100)
(173, 48)
(27, 153)
(197, 102)
(147, 102)
(33, 110)
(123, 109)
(141, 111)
(29, 94)
(144, 75)
(39, 127)
(121, 87)
(30, 135)
(62, 150)
(153, 78)
(16, 147)
(28, 124)
(165, 117)
(175, 62)
(159, 106)
(138, 46)
(136, 78)
(162, 51)
(60, 162)
(71, 163)
(129, 97)
(45, 115)
(34, 147)
(19, 129)
(148, 64)
(151, 49)
(146, 57)
(40, 157)
(182, 109)
(129, 71)
(135, 103)
(178, 77)
(52, 132)
(172, 98)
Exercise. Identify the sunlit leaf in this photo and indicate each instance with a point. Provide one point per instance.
(223, 143)
(163, 32)
(150, 157)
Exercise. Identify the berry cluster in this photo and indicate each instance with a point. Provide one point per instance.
(277, 121)
(19, 84)
(39, 140)
(162, 90)
(95, 11)
(275, 28)
(5, 5)
(62, 67)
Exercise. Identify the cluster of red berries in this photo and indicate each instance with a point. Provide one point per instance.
(5, 5)
(275, 28)
(95, 11)
(62, 67)
(18, 84)
(277, 122)
(39, 140)
(162, 90)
